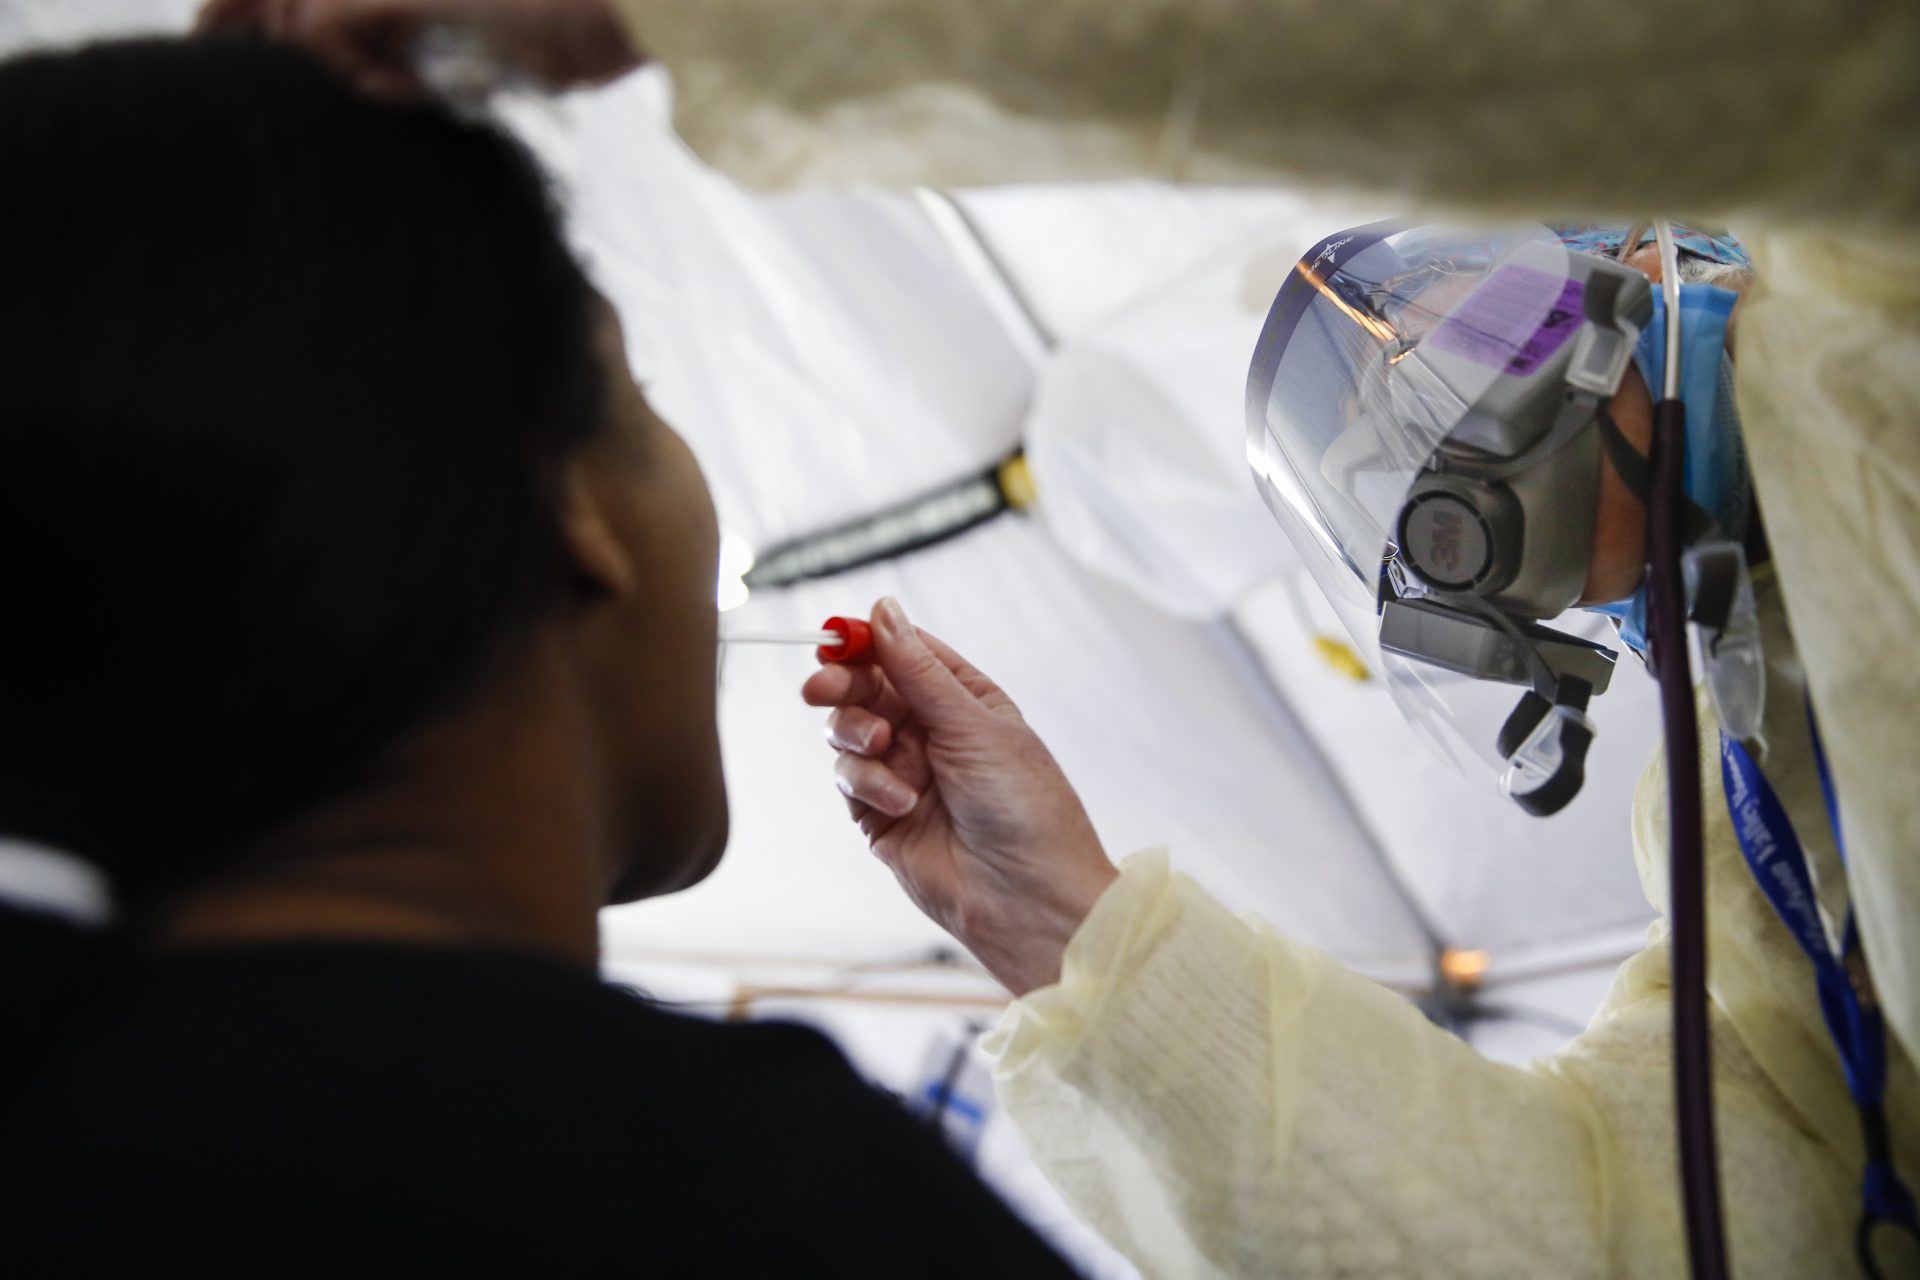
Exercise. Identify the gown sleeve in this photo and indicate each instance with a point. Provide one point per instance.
(1787, 110)
(1218, 1101)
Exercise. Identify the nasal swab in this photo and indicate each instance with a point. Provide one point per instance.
(837, 640)
(783, 637)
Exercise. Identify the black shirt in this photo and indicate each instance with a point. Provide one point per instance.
(367, 1110)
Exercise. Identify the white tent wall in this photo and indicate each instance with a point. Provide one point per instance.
(829, 353)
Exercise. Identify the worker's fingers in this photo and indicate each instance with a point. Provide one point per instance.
(362, 24)
(369, 41)
(842, 684)
(320, 17)
(279, 18)
(855, 684)
(372, 42)
(859, 730)
(229, 15)
(971, 677)
(873, 824)
(926, 683)
(873, 784)
(856, 809)
(907, 757)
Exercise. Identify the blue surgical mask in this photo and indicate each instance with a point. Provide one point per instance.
(1716, 465)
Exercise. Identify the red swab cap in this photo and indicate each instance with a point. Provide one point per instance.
(856, 640)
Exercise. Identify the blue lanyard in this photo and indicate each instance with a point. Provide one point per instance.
(1779, 865)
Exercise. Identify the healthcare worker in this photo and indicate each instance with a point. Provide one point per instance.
(1221, 1101)
(1797, 120)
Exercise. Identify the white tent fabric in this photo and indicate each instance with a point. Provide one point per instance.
(829, 353)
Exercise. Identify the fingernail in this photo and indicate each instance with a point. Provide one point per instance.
(898, 799)
(891, 617)
(860, 740)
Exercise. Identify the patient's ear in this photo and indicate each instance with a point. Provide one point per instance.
(596, 557)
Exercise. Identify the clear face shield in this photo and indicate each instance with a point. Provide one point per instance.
(1425, 419)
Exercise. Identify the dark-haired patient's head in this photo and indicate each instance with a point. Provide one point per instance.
(351, 585)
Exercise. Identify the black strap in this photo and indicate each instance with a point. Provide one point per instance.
(1575, 738)
(1524, 718)
(1716, 583)
(1628, 462)
(1631, 466)
(1567, 780)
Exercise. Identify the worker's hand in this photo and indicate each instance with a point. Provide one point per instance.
(962, 800)
(560, 42)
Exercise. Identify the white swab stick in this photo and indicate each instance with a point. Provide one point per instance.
(837, 640)
(816, 638)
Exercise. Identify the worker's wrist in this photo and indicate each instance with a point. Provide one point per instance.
(1020, 933)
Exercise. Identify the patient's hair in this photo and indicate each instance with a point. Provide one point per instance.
(286, 380)
(1695, 269)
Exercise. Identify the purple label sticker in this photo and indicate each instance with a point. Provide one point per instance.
(1514, 321)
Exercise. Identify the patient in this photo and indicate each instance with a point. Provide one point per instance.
(359, 646)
